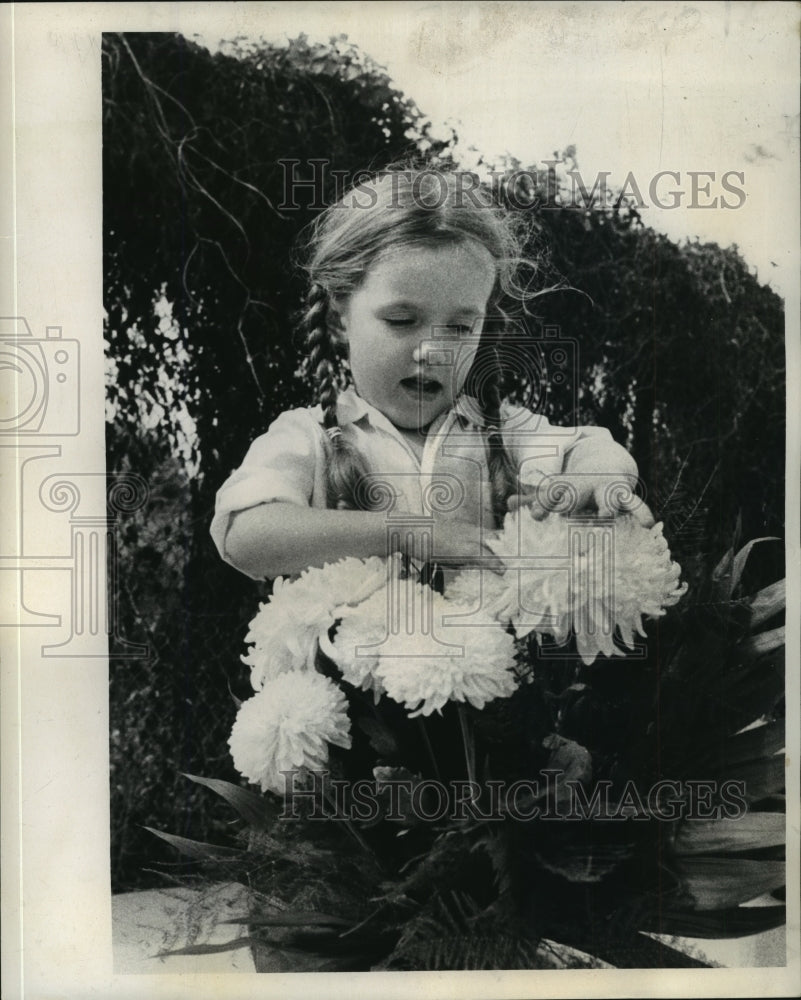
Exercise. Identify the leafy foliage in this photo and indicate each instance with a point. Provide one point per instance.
(201, 290)
(194, 184)
(682, 358)
(680, 355)
(511, 891)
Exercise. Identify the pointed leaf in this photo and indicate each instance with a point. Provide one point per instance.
(254, 809)
(751, 832)
(208, 949)
(763, 642)
(195, 848)
(726, 575)
(588, 864)
(638, 951)
(767, 603)
(562, 956)
(761, 777)
(292, 918)
(722, 572)
(719, 882)
(756, 743)
(737, 921)
(236, 701)
(738, 565)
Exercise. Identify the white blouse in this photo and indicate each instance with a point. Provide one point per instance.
(289, 461)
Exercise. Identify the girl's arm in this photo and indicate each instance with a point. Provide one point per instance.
(282, 538)
(599, 473)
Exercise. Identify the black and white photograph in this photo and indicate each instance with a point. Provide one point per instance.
(401, 431)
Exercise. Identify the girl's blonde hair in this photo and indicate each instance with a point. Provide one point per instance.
(397, 209)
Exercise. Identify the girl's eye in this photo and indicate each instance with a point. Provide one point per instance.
(399, 321)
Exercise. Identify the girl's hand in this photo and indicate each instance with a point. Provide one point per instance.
(455, 543)
(576, 493)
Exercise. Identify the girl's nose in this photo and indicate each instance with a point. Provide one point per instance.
(419, 354)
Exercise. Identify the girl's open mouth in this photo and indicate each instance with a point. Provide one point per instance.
(420, 386)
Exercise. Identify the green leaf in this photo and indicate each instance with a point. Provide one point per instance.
(195, 848)
(585, 864)
(254, 809)
(209, 949)
(763, 642)
(722, 572)
(761, 777)
(751, 832)
(719, 882)
(754, 744)
(293, 918)
(726, 575)
(633, 950)
(737, 921)
(741, 559)
(767, 602)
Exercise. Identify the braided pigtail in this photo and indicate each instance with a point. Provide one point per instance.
(503, 475)
(346, 468)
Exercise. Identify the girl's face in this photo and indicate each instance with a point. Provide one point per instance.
(413, 325)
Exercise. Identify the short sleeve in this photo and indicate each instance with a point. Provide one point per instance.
(282, 464)
(540, 449)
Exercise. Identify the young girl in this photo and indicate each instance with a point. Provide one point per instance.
(418, 450)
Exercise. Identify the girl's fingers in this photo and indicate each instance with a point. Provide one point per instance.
(609, 497)
(488, 560)
(538, 510)
(530, 500)
(603, 502)
(626, 504)
(642, 512)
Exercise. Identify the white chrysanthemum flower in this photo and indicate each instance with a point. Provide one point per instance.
(537, 599)
(591, 578)
(355, 646)
(441, 660)
(481, 589)
(287, 726)
(285, 632)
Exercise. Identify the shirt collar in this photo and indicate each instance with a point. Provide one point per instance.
(351, 408)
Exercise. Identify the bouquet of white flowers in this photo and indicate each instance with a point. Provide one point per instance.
(500, 772)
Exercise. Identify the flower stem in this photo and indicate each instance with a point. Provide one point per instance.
(424, 733)
(467, 741)
(348, 824)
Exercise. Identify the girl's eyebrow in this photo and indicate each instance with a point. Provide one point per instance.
(468, 312)
(399, 304)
